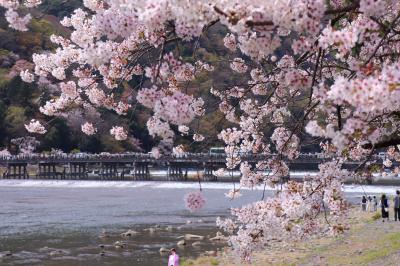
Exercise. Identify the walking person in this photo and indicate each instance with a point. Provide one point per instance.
(375, 200)
(173, 259)
(364, 203)
(384, 208)
(396, 202)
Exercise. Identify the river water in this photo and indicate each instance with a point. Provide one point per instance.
(45, 222)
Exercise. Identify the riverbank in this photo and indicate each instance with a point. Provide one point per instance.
(368, 242)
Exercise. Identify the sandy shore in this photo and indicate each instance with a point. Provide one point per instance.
(368, 242)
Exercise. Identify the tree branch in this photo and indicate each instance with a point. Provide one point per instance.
(251, 23)
(339, 116)
(382, 144)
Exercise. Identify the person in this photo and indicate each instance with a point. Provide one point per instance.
(173, 258)
(364, 203)
(375, 200)
(384, 208)
(396, 206)
(369, 205)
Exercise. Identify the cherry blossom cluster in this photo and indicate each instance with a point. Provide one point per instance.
(26, 145)
(239, 65)
(285, 142)
(26, 76)
(278, 217)
(35, 126)
(88, 129)
(119, 133)
(233, 194)
(178, 150)
(194, 201)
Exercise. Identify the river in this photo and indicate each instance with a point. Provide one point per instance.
(44, 222)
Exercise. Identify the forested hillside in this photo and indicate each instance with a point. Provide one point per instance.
(20, 101)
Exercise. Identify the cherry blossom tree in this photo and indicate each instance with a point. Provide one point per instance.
(328, 68)
(26, 145)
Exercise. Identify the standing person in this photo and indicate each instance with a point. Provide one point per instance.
(375, 200)
(369, 205)
(173, 259)
(384, 208)
(364, 203)
(396, 202)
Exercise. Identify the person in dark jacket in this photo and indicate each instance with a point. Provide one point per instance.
(396, 206)
(364, 203)
(384, 208)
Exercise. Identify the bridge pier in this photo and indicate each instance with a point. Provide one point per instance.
(109, 171)
(16, 170)
(77, 171)
(141, 171)
(208, 172)
(48, 171)
(127, 171)
(175, 173)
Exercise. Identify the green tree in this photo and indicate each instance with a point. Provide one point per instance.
(14, 120)
(58, 136)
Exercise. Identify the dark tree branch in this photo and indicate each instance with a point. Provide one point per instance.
(352, 7)
(314, 78)
(251, 23)
(339, 116)
(382, 144)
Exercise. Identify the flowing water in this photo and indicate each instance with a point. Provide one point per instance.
(45, 222)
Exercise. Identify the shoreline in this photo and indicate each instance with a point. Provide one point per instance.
(167, 185)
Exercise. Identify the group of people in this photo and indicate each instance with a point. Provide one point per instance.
(371, 204)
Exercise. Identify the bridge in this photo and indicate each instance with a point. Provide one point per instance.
(133, 166)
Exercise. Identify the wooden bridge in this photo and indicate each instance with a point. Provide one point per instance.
(133, 166)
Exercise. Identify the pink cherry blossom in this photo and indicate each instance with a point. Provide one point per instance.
(239, 65)
(233, 194)
(178, 150)
(88, 129)
(230, 42)
(26, 76)
(155, 152)
(194, 201)
(183, 129)
(119, 133)
(17, 22)
(198, 137)
(32, 3)
(35, 127)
